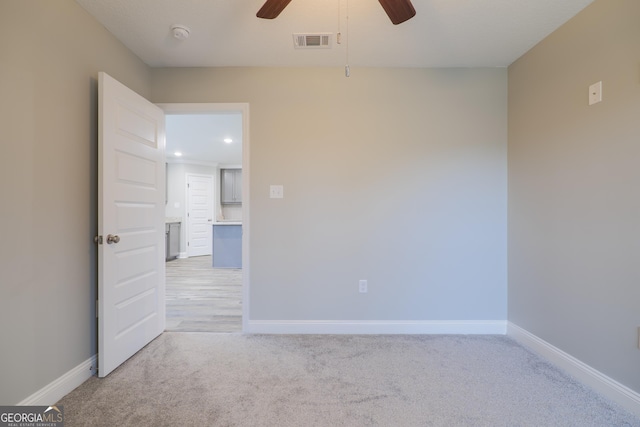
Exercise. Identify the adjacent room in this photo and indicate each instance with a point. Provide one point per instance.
(204, 221)
(437, 225)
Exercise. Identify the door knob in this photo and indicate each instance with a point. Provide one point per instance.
(113, 239)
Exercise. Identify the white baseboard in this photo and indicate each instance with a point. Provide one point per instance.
(498, 327)
(182, 255)
(608, 387)
(60, 387)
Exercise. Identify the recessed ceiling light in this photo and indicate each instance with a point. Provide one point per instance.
(228, 140)
(177, 154)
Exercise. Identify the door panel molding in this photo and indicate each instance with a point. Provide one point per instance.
(131, 199)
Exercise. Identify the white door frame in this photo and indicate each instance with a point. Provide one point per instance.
(243, 108)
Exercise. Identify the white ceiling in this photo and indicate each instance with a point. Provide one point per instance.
(444, 33)
(200, 138)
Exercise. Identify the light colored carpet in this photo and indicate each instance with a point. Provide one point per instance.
(203, 379)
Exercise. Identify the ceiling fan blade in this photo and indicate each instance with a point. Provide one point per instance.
(272, 8)
(398, 10)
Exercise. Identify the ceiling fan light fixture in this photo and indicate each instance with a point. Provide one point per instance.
(398, 11)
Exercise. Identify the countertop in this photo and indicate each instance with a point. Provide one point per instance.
(227, 223)
(172, 219)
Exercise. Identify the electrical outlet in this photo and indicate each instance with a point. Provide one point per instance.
(363, 286)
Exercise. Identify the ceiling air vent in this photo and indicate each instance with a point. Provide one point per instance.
(312, 41)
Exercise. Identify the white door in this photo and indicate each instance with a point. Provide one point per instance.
(199, 214)
(131, 198)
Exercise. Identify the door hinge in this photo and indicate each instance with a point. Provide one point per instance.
(97, 308)
(97, 240)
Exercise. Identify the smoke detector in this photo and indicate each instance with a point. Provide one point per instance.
(180, 32)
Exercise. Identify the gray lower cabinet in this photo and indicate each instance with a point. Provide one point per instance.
(227, 246)
(172, 240)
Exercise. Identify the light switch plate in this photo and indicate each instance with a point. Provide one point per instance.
(362, 286)
(595, 93)
(276, 192)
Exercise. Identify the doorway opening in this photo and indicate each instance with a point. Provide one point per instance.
(204, 142)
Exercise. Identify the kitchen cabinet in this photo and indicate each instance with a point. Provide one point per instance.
(227, 245)
(172, 240)
(230, 186)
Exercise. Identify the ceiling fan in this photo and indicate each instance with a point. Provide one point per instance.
(397, 10)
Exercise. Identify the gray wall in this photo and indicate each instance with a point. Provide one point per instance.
(50, 55)
(574, 204)
(397, 176)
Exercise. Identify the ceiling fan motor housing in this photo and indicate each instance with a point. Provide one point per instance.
(397, 10)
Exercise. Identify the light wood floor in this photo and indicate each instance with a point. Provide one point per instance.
(201, 298)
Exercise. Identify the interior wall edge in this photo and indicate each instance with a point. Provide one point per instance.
(61, 386)
(601, 383)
